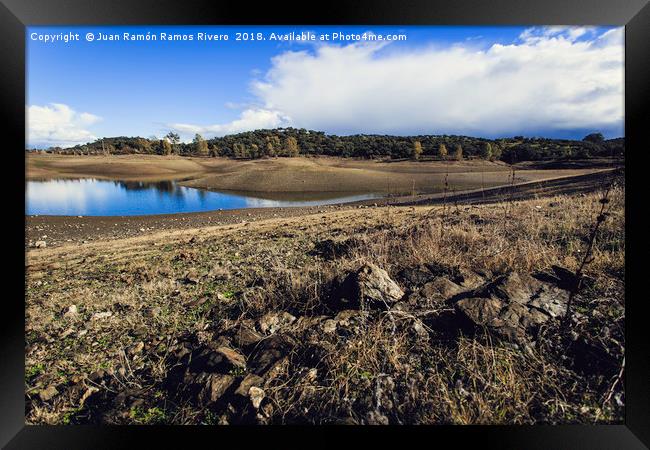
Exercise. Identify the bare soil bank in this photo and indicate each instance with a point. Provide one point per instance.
(318, 174)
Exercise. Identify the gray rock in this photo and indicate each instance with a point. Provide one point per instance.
(377, 418)
(233, 357)
(370, 287)
(513, 304)
(441, 288)
(49, 393)
(256, 395)
(272, 322)
(246, 335)
(329, 326)
(351, 320)
(416, 276)
(215, 387)
(247, 383)
(191, 277)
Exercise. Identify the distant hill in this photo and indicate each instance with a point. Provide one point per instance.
(287, 142)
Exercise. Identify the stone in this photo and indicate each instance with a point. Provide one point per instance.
(277, 369)
(479, 310)
(376, 418)
(351, 320)
(153, 311)
(49, 393)
(101, 315)
(329, 326)
(441, 288)
(272, 322)
(246, 336)
(191, 277)
(71, 311)
(513, 304)
(370, 287)
(136, 348)
(235, 358)
(216, 386)
(416, 276)
(40, 244)
(271, 350)
(251, 380)
(564, 278)
(419, 330)
(256, 395)
(471, 280)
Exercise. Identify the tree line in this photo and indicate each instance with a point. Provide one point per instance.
(290, 142)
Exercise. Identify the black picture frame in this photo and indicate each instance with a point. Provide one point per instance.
(15, 15)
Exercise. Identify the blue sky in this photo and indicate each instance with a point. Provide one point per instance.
(483, 81)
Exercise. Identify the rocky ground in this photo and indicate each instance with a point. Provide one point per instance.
(389, 315)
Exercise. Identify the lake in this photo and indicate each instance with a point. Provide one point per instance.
(92, 197)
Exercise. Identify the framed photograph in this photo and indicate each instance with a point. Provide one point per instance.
(368, 217)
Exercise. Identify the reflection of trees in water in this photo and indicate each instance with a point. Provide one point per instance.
(161, 187)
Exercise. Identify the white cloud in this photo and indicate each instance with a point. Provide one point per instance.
(550, 79)
(250, 119)
(57, 124)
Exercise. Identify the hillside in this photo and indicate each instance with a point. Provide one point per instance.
(288, 142)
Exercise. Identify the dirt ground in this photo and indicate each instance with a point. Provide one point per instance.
(109, 323)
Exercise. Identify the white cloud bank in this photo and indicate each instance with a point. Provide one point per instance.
(250, 119)
(551, 79)
(57, 124)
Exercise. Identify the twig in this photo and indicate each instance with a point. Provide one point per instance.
(618, 379)
(587, 258)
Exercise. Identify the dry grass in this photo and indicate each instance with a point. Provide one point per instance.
(382, 372)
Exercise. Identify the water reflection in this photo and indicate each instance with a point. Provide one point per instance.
(92, 197)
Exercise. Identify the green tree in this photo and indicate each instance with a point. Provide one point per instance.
(458, 153)
(486, 151)
(417, 150)
(174, 138)
(200, 145)
(239, 150)
(442, 151)
(596, 138)
(496, 151)
(166, 147)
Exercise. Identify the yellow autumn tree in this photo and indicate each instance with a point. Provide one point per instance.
(291, 146)
(417, 150)
(442, 151)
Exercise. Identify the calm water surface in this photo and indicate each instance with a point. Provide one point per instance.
(91, 197)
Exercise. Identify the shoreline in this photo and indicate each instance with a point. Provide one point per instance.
(70, 230)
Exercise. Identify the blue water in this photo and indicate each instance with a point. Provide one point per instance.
(91, 197)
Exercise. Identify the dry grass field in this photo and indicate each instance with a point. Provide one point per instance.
(242, 323)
